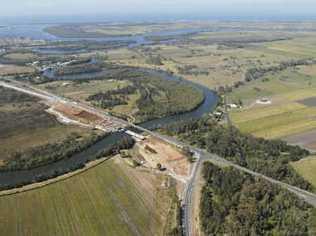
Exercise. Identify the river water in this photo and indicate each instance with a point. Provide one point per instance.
(18, 177)
(36, 32)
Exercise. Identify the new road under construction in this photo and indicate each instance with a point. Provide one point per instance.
(82, 114)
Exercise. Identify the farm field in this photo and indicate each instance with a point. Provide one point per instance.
(25, 124)
(287, 114)
(106, 200)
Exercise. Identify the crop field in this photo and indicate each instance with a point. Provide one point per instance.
(106, 200)
(287, 114)
(25, 124)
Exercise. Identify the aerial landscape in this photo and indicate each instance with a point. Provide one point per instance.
(158, 119)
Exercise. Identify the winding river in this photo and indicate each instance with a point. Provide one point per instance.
(28, 176)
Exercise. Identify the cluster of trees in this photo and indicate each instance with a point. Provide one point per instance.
(154, 60)
(269, 157)
(81, 61)
(241, 41)
(78, 69)
(112, 98)
(191, 70)
(161, 97)
(257, 73)
(158, 96)
(233, 203)
(164, 38)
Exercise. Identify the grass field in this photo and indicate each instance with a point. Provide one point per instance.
(306, 168)
(13, 69)
(25, 124)
(287, 115)
(110, 199)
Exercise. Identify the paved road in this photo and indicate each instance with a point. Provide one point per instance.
(201, 155)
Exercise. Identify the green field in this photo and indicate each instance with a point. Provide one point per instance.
(286, 115)
(106, 200)
(306, 168)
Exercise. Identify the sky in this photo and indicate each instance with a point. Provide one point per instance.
(159, 8)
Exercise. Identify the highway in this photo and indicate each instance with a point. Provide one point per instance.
(201, 155)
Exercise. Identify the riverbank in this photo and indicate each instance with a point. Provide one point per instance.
(60, 178)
